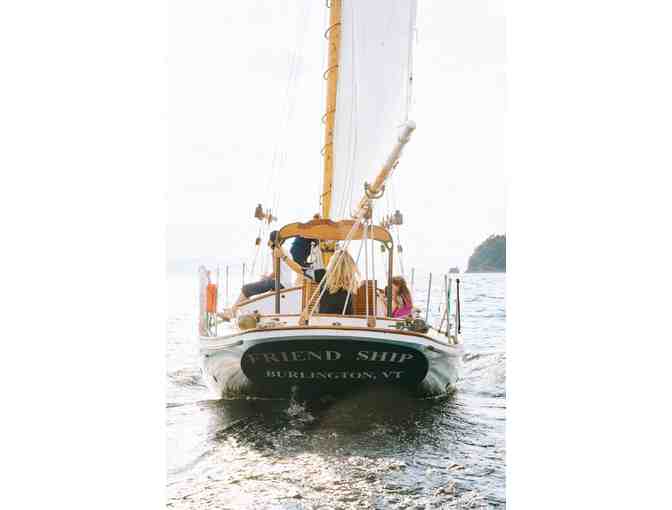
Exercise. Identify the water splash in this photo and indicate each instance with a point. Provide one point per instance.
(296, 411)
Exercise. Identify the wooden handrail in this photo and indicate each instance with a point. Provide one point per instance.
(327, 230)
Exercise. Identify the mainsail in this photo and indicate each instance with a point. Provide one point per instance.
(373, 93)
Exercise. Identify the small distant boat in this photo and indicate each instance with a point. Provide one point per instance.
(278, 341)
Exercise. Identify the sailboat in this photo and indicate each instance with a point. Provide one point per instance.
(278, 342)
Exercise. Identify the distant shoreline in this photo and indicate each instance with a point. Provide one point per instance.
(489, 256)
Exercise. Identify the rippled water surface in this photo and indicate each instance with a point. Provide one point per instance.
(369, 450)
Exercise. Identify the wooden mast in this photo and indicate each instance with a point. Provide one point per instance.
(331, 74)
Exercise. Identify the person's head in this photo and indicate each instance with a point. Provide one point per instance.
(400, 290)
(272, 237)
(345, 274)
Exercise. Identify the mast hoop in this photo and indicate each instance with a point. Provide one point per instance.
(326, 32)
(329, 69)
(326, 114)
(324, 147)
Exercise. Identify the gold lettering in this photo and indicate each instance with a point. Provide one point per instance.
(296, 356)
(332, 355)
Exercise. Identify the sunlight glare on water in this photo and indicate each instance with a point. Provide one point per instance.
(365, 451)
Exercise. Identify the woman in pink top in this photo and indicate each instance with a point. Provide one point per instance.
(402, 302)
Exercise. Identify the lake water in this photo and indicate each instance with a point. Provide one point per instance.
(366, 451)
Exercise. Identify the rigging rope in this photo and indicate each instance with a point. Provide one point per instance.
(280, 151)
(325, 22)
(347, 299)
(412, 31)
(347, 180)
(400, 252)
(329, 271)
(255, 251)
(373, 268)
(366, 267)
(279, 157)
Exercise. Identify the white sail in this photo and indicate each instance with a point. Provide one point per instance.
(373, 94)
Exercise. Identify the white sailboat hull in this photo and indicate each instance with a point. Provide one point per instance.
(325, 360)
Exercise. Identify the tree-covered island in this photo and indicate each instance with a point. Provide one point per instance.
(489, 256)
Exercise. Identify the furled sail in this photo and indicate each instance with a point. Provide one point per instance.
(373, 93)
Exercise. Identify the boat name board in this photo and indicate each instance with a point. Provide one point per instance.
(299, 356)
(354, 376)
(332, 361)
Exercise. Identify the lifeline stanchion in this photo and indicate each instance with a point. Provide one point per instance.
(447, 282)
(443, 289)
(450, 284)
(459, 311)
(227, 285)
(218, 291)
(243, 283)
(429, 295)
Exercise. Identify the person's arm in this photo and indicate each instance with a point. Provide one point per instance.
(279, 252)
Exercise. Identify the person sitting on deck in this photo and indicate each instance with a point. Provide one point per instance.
(402, 302)
(267, 282)
(342, 283)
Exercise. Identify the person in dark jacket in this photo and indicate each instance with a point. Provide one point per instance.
(300, 251)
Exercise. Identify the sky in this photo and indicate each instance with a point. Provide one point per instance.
(230, 115)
